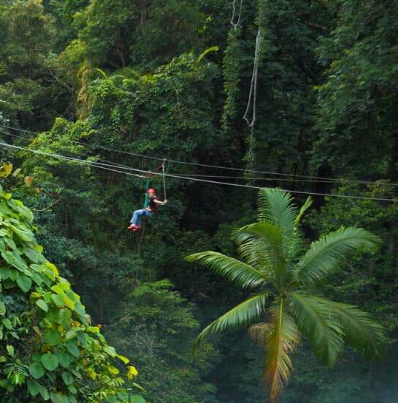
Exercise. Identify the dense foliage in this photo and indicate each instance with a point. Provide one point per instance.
(171, 79)
(49, 349)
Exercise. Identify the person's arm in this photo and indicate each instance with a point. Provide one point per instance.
(161, 203)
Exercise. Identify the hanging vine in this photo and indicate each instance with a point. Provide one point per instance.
(251, 107)
(231, 74)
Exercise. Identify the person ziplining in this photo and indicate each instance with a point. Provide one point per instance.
(147, 211)
(150, 204)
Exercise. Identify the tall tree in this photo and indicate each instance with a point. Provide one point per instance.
(286, 302)
(359, 100)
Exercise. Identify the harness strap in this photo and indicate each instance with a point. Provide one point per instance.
(146, 202)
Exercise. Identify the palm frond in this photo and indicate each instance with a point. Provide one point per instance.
(326, 254)
(232, 269)
(362, 333)
(246, 313)
(303, 209)
(276, 207)
(281, 340)
(261, 245)
(315, 320)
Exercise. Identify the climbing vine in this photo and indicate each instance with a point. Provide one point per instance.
(49, 349)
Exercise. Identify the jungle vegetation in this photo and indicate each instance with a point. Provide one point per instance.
(92, 91)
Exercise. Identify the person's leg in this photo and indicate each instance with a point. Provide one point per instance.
(136, 218)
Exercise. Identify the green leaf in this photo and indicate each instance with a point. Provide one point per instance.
(19, 263)
(110, 350)
(36, 370)
(83, 339)
(5, 273)
(276, 207)
(34, 388)
(56, 398)
(8, 256)
(37, 278)
(44, 393)
(246, 313)
(315, 320)
(65, 317)
(24, 283)
(10, 350)
(79, 308)
(329, 252)
(70, 334)
(52, 337)
(26, 236)
(58, 290)
(42, 305)
(58, 300)
(67, 378)
(122, 358)
(32, 255)
(49, 361)
(136, 399)
(14, 274)
(234, 270)
(72, 347)
(3, 309)
(360, 332)
(10, 243)
(7, 323)
(64, 359)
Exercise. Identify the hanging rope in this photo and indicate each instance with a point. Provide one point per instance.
(235, 23)
(164, 179)
(252, 101)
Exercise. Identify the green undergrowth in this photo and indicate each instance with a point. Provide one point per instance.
(49, 348)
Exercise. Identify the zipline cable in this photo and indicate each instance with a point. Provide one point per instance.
(104, 167)
(323, 178)
(245, 178)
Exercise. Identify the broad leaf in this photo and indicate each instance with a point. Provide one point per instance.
(52, 337)
(36, 370)
(34, 388)
(72, 348)
(67, 377)
(24, 283)
(42, 304)
(49, 361)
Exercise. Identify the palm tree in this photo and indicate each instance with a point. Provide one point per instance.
(285, 303)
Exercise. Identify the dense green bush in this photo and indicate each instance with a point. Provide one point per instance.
(49, 348)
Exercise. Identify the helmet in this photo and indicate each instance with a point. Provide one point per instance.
(151, 190)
